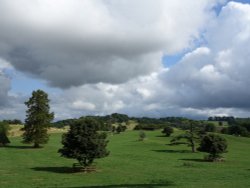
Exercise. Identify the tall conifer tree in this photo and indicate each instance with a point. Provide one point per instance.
(38, 119)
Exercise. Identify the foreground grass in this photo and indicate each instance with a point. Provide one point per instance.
(131, 163)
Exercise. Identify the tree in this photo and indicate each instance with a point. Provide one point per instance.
(142, 135)
(84, 143)
(168, 131)
(191, 136)
(210, 127)
(4, 127)
(238, 130)
(213, 144)
(38, 119)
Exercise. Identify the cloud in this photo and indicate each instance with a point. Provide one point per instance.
(4, 82)
(210, 80)
(71, 43)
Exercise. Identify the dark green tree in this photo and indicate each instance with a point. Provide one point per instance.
(168, 131)
(84, 142)
(191, 137)
(238, 130)
(210, 127)
(213, 144)
(38, 119)
(4, 128)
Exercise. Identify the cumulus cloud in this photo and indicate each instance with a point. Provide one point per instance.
(210, 80)
(70, 43)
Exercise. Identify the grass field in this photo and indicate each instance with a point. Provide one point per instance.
(131, 163)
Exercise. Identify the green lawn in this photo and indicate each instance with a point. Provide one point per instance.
(131, 163)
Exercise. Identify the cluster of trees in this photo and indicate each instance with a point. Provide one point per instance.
(105, 122)
(199, 139)
(13, 121)
(83, 142)
(238, 127)
(86, 139)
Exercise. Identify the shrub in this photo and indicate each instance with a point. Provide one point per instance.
(142, 135)
(168, 131)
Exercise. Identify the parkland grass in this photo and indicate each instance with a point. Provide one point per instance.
(131, 163)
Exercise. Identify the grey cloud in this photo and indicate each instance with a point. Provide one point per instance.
(82, 42)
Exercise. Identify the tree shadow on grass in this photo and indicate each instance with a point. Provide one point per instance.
(61, 170)
(150, 185)
(164, 136)
(172, 151)
(195, 160)
(20, 147)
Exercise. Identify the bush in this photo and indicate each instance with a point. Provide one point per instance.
(213, 144)
(168, 131)
(142, 135)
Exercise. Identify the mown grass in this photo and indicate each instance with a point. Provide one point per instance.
(132, 163)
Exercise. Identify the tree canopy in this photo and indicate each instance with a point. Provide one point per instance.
(84, 143)
(38, 119)
(213, 144)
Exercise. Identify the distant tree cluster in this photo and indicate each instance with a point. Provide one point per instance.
(13, 122)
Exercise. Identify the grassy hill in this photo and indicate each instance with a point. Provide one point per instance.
(148, 164)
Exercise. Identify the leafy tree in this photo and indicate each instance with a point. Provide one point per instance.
(84, 143)
(168, 131)
(113, 129)
(238, 130)
(118, 129)
(38, 119)
(213, 144)
(210, 127)
(142, 135)
(4, 127)
(190, 137)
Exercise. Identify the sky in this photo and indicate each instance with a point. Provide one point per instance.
(151, 58)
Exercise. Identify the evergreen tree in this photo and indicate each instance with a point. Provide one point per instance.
(38, 119)
(84, 143)
(4, 127)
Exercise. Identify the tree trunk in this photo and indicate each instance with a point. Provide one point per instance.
(36, 145)
(193, 148)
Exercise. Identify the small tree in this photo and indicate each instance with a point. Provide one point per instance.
(4, 128)
(210, 127)
(38, 119)
(168, 131)
(191, 137)
(84, 143)
(142, 135)
(213, 144)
